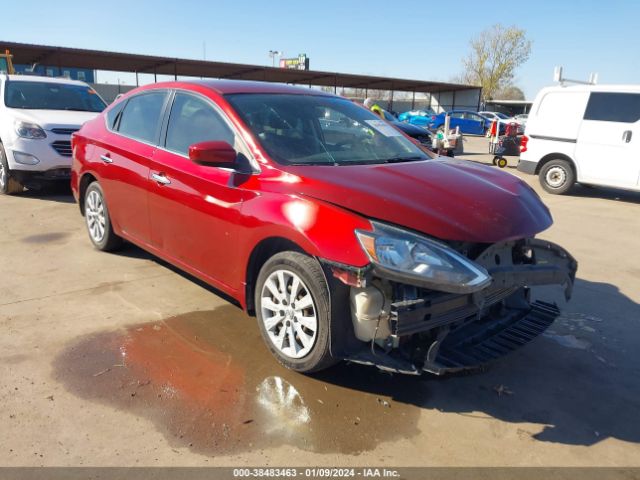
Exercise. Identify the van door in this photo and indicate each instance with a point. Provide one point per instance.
(608, 145)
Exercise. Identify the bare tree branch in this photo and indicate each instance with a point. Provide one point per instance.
(495, 55)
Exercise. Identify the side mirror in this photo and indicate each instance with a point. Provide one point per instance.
(216, 154)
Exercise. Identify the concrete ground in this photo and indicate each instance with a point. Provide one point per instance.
(117, 359)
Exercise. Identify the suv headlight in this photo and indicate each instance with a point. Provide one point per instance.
(29, 130)
(405, 256)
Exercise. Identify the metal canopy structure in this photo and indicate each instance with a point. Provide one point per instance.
(127, 62)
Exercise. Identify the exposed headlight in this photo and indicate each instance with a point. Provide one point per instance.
(407, 256)
(29, 130)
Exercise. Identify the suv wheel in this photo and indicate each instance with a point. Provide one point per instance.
(8, 184)
(293, 308)
(96, 215)
(557, 176)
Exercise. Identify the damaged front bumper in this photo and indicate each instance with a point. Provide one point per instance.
(419, 329)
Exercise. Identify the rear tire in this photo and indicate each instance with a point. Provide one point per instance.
(293, 308)
(98, 221)
(557, 176)
(8, 184)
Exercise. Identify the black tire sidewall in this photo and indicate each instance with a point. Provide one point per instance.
(11, 185)
(570, 180)
(311, 273)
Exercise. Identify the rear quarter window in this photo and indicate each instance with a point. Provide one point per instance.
(142, 115)
(613, 107)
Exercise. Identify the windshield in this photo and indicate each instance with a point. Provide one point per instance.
(501, 115)
(309, 129)
(52, 96)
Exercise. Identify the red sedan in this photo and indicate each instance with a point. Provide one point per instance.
(344, 238)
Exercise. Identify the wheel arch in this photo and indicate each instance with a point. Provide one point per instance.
(556, 156)
(87, 179)
(261, 252)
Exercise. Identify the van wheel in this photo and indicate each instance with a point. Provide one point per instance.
(8, 184)
(557, 176)
(98, 221)
(293, 308)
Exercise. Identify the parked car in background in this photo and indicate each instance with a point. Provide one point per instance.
(343, 237)
(469, 122)
(504, 118)
(422, 112)
(37, 117)
(421, 134)
(584, 133)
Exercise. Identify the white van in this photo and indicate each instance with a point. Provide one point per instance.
(584, 133)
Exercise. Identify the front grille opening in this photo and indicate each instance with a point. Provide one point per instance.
(63, 147)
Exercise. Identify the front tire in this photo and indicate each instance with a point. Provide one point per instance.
(557, 176)
(98, 221)
(293, 308)
(8, 184)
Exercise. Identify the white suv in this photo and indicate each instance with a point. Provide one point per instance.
(37, 117)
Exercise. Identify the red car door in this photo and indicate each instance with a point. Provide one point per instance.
(125, 156)
(193, 208)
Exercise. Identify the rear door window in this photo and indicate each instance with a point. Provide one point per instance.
(194, 120)
(613, 107)
(141, 116)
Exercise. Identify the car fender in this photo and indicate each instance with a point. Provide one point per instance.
(319, 228)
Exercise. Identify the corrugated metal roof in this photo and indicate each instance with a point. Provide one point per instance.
(24, 53)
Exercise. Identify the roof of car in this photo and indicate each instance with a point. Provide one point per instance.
(37, 78)
(224, 87)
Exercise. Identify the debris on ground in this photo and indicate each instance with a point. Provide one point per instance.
(50, 397)
(102, 372)
(384, 403)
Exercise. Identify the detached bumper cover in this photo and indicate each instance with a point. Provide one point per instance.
(547, 264)
(469, 330)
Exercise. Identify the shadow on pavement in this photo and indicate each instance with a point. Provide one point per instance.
(56, 192)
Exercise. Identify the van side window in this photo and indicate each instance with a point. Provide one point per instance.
(613, 107)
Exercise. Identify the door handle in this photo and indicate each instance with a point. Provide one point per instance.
(160, 178)
(106, 158)
(626, 136)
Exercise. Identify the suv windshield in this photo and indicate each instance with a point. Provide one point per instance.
(315, 129)
(52, 96)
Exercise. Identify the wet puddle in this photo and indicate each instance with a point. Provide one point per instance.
(207, 382)
(46, 237)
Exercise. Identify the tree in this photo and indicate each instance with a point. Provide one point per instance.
(495, 55)
(510, 92)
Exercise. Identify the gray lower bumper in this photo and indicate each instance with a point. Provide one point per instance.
(527, 166)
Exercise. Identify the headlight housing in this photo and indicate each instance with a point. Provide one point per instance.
(29, 130)
(406, 257)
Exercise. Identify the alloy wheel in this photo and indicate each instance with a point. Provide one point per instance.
(94, 214)
(289, 314)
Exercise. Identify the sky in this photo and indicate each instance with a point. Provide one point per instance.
(409, 39)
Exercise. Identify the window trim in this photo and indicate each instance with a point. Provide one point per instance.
(166, 92)
(246, 151)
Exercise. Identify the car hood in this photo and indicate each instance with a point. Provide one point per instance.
(447, 199)
(49, 119)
